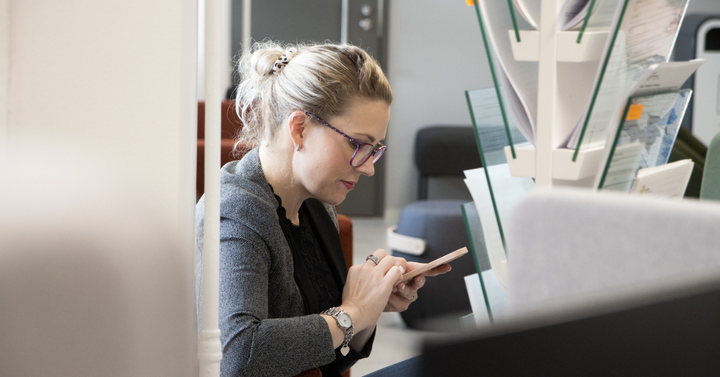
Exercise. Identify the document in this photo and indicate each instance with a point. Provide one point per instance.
(573, 13)
(495, 201)
(529, 10)
(489, 125)
(620, 174)
(654, 112)
(518, 78)
(643, 33)
(667, 181)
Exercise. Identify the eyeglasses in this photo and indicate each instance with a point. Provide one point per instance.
(363, 151)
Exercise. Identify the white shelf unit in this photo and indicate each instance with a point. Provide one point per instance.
(566, 72)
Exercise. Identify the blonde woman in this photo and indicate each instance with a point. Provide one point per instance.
(315, 115)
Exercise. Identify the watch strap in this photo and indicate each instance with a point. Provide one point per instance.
(349, 331)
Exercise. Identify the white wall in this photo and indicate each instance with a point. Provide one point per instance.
(114, 74)
(4, 71)
(435, 53)
(114, 84)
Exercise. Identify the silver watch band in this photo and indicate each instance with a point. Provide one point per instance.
(349, 330)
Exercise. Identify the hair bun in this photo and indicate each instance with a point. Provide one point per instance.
(283, 60)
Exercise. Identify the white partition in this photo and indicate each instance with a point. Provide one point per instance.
(570, 247)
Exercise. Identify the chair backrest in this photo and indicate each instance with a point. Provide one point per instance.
(229, 122)
(575, 247)
(710, 188)
(444, 151)
(230, 125)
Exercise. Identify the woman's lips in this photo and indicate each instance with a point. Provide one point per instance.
(348, 185)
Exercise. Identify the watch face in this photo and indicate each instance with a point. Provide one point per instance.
(344, 320)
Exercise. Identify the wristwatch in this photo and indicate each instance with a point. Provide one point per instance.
(344, 322)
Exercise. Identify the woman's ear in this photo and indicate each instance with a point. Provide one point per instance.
(296, 127)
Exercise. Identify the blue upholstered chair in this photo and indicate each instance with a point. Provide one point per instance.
(429, 229)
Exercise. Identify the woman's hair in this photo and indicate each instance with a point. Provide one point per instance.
(321, 79)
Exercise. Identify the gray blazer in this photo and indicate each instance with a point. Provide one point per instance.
(264, 325)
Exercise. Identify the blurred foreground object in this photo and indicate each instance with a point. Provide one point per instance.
(92, 279)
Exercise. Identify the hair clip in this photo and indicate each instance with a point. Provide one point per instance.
(283, 60)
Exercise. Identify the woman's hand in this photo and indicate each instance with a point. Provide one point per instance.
(369, 286)
(405, 294)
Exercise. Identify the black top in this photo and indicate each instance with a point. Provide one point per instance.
(321, 286)
(310, 263)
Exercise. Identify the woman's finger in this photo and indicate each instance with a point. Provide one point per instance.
(393, 275)
(377, 256)
(439, 270)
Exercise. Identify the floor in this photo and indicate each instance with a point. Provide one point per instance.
(394, 342)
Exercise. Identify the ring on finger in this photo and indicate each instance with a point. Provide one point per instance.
(373, 258)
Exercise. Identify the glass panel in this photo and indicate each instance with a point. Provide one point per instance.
(599, 19)
(477, 247)
(519, 95)
(643, 33)
(645, 137)
(493, 131)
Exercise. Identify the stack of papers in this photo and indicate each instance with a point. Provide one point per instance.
(652, 115)
(495, 202)
(643, 33)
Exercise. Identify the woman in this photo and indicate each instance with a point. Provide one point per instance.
(316, 115)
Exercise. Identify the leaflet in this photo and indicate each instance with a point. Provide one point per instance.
(656, 106)
(667, 181)
(643, 33)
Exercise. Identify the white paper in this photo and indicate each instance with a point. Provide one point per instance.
(621, 173)
(645, 36)
(573, 13)
(518, 78)
(667, 181)
(507, 191)
(490, 126)
(658, 78)
(530, 10)
(477, 301)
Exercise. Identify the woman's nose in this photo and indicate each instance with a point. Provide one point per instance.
(368, 168)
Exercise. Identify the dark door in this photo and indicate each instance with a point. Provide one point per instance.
(322, 20)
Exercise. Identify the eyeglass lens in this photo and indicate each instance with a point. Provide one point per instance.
(364, 152)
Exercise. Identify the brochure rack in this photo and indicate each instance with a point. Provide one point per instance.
(570, 108)
(545, 122)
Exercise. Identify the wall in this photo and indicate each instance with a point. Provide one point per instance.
(435, 53)
(112, 83)
(4, 72)
(115, 74)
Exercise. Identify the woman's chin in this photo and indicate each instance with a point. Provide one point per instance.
(333, 200)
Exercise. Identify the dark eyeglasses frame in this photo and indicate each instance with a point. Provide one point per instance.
(378, 150)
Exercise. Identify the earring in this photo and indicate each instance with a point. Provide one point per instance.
(297, 147)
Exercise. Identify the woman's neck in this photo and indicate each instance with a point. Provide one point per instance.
(277, 167)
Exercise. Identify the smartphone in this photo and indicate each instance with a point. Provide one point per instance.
(437, 262)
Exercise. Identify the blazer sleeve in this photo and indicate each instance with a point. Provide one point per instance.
(253, 344)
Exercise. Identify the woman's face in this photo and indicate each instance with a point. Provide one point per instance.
(324, 169)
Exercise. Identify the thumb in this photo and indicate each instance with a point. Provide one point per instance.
(393, 276)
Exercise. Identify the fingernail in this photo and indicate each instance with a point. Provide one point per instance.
(402, 270)
(422, 280)
(401, 286)
(394, 290)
